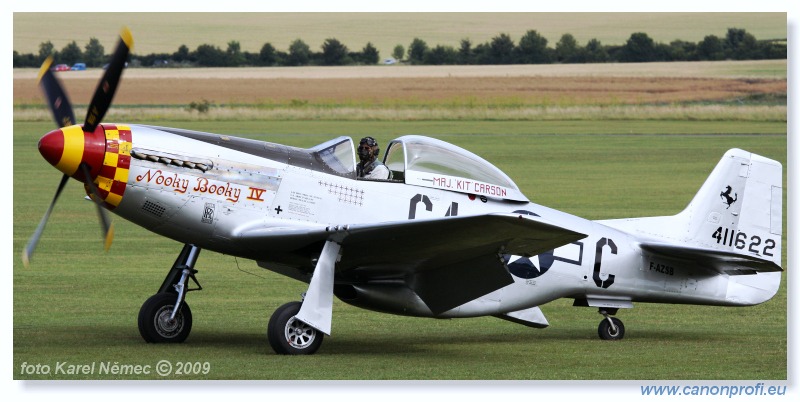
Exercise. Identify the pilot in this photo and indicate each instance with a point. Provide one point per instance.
(370, 167)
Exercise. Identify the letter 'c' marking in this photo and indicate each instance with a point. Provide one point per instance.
(598, 260)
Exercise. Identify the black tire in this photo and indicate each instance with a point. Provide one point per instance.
(607, 333)
(290, 336)
(154, 323)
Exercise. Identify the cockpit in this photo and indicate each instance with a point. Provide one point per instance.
(428, 162)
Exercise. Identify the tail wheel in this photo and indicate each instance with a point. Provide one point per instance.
(290, 336)
(156, 324)
(610, 332)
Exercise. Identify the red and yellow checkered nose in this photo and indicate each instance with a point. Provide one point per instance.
(68, 147)
(106, 152)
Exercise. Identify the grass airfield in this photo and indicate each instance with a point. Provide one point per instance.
(77, 304)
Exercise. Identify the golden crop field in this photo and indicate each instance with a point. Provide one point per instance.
(166, 32)
(521, 84)
(729, 90)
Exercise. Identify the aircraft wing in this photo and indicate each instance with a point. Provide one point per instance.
(714, 260)
(447, 261)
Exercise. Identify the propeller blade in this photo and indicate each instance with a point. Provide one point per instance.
(108, 84)
(57, 99)
(31, 246)
(105, 222)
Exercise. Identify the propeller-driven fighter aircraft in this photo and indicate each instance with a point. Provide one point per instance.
(447, 235)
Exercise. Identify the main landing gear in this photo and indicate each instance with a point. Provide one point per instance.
(289, 336)
(297, 328)
(165, 317)
(611, 328)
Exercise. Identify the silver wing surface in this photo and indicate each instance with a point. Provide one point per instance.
(447, 261)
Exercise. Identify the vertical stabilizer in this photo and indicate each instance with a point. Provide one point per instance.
(725, 246)
(738, 209)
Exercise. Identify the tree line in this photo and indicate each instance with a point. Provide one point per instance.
(532, 48)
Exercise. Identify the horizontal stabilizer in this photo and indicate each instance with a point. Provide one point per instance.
(719, 261)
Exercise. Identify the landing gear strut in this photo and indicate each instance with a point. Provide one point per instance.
(611, 328)
(165, 317)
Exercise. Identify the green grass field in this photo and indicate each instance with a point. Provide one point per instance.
(77, 304)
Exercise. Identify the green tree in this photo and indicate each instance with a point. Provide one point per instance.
(46, 49)
(399, 52)
(234, 54)
(465, 55)
(440, 55)
(682, 50)
(417, 50)
(772, 49)
(25, 60)
(567, 49)
(710, 48)
(734, 37)
(267, 56)
(639, 48)
(95, 54)
(299, 53)
(533, 49)
(182, 54)
(740, 45)
(334, 53)
(370, 54)
(481, 54)
(501, 49)
(71, 53)
(210, 56)
(594, 52)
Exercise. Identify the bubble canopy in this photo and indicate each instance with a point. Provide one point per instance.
(428, 162)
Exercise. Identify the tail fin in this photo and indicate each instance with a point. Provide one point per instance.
(737, 212)
(738, 209)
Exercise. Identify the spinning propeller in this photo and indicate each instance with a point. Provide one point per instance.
(78, 150)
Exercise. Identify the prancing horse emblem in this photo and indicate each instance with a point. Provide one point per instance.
(726, 196)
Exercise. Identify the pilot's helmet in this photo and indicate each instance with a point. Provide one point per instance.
(367, 148)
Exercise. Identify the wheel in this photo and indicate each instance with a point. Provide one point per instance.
(608, 333)
(155, 325)
(290, 336)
